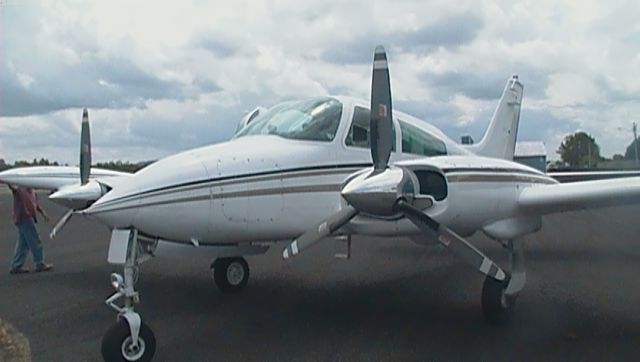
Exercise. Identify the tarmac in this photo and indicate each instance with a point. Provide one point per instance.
(392, 301)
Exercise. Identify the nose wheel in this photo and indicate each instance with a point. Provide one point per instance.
(118, 345)
(230, 274)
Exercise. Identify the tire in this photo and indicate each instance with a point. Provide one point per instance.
(231, 274)
(118, 337)
(497, 308)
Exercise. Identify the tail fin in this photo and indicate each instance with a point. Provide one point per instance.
(500, 139)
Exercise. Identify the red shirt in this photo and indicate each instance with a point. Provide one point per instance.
(25, 205)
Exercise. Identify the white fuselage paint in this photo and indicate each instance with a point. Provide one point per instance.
(266, 188)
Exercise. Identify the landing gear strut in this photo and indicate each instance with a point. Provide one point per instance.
(129, 339)
(230, 274)
(499, 296)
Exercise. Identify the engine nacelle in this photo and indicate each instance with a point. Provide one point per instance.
(79, 196)
(377, 192)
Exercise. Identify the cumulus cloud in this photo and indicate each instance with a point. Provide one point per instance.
(182, 75)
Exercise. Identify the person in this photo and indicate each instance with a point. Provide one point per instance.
(25, 206)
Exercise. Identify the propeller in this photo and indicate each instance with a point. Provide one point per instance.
(454, 242)
(85, 149)
(381, 143)
(380, 126)
(389, 191)
(326, 228)
(61, 223)
(85, 170)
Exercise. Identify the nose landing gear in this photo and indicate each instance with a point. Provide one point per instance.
(129, 339)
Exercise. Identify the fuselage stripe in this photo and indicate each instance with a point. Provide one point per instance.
(231, 195)
(133, 202)
(499, 177)
(245, 178)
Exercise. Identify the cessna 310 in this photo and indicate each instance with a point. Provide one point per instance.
(301, 172)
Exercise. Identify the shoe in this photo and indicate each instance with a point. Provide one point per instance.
(44, 267)
(19, 270)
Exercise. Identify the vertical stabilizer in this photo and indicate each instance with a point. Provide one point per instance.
(500, 139)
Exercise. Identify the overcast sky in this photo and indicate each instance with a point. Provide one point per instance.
(160, 77)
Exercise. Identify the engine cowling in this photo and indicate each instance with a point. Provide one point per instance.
(377, 193)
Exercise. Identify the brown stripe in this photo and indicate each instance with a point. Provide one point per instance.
(500, 178)
(236, 194)
(252, 179)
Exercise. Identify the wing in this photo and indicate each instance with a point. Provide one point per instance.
(575, 176)
(53, 177)
(549, 199)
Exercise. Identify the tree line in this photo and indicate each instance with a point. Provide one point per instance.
(580, 150)
(123, 166)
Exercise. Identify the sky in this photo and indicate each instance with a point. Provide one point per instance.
(159, 77)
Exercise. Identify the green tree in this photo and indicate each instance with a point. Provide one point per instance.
(579, 150)
(630, 153)
(125, 166)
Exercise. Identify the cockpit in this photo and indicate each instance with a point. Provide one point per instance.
(314, 119)
(319, 119)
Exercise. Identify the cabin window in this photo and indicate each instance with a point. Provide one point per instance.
(314, 119)
(358, 135)
(419, 142)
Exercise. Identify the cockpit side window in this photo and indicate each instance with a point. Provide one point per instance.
(358, 135)
(419, 142)
(314, 119)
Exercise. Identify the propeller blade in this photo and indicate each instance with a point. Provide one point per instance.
(61, 223)
(85, 149)
(454, 242)
(326, 228)
(380, 127)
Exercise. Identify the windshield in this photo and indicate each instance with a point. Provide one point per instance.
(314, 119)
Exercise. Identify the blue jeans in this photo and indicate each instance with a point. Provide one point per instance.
(28, 239)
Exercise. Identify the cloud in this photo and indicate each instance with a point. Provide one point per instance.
(450, 31)
(183, 75)
(95, 81)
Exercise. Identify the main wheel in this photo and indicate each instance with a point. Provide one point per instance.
(117, 344)
(230, 274)
(497, 307)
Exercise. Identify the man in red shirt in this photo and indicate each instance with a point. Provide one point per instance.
(25, 206)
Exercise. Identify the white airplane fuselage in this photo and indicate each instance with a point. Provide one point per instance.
(269, 188)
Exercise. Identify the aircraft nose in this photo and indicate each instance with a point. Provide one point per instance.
(156, 197)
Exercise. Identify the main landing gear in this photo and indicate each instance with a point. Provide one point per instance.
(499, 296)
(230, 274)
(129, 339)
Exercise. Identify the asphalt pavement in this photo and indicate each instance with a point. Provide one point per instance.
(393, 301)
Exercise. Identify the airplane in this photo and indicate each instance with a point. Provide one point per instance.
(307, 170)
